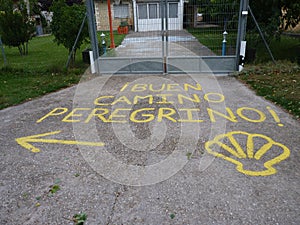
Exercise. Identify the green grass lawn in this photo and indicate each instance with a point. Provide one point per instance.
(213, 38)
(44, 55)
(278, 83)
(118, 38)
(18, 86)
(41, 71)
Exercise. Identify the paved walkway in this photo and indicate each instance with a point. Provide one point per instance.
(149, 44)
(150, 150)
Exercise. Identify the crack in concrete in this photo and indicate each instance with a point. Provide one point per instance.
(117, 193)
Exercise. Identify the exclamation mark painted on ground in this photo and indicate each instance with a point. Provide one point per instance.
(275, 116)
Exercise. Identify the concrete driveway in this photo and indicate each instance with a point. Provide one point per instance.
(145, 52)
(178, 149)
(149, 44)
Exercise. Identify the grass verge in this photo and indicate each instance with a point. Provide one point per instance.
(213, 38)
(118, 38)
(278, 83)
(40, 72)
(18, 86)
(43, 55)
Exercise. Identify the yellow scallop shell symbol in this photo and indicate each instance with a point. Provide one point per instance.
(253, 149)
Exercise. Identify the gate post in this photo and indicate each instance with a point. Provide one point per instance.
(240, 42)
(164, 30)
(93, 32)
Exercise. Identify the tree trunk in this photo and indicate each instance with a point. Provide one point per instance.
(26, 48)
(20, 50)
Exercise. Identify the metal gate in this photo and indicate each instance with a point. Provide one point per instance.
(176, 36)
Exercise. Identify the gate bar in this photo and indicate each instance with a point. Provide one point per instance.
(93, 32)
(241, 30)
(167, 35)
(163, 37)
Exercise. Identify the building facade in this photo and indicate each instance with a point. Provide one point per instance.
(140, 15)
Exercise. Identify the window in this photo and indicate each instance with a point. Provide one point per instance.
(173, 10)
(162, 10)
(121, 11)
(152, 11)
(143, 11)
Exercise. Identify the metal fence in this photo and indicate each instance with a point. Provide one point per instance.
(212, 22)
(174, 36)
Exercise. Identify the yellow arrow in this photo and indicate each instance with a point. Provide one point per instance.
(24, 141)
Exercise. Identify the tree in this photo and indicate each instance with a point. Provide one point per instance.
(290, 13)
(46, 4)
(65, 25)
(16, 28)
(219, 11)
(275, 16)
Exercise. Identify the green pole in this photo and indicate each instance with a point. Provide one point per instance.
(3, 53)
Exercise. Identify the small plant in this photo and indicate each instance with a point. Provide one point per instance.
(189, 155)
(54, 189)
(79, 219)
(123, 27)
(123, 24)
(172, 215)
(57, 181)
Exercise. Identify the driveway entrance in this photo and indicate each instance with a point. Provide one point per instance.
(143, 52)
(162, 46)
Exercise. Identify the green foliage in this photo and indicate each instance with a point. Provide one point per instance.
(189, 155)
(267, 14)
(274, 16)
(219, 11)
(290, 13)
(66, 23)
(79, 219)
(285, 48)
(16, 29)
(172, 215)
(54, 189)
